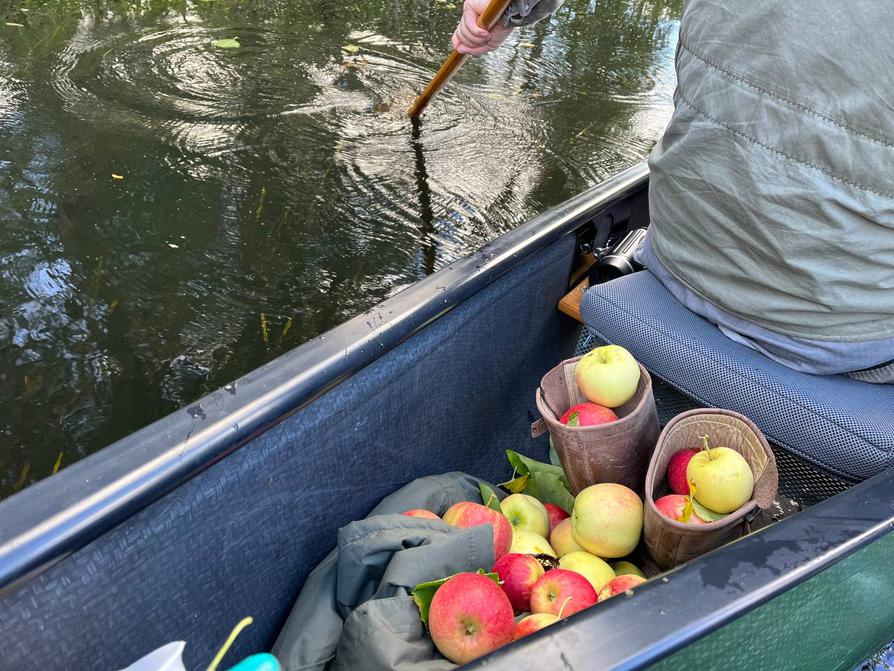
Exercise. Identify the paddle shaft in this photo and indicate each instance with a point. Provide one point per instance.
(488, 19)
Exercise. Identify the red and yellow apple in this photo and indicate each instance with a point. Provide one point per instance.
(525, 513)
(556, 515)
(620, 584)
(673, 506)
(531, 623)
(470, 616)
(627, 568)
(469, 514)
(562, 539)
(607, 520)
(676, 470)
(608, 375)
(529, 543)
(424, 514)
(588, 414)
(562, 593)
(720, 478)
(590, 567)
(518, 573)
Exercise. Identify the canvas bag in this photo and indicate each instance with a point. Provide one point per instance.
(671, 543)
(615, 452)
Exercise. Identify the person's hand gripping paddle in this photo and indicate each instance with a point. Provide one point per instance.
(471, 38)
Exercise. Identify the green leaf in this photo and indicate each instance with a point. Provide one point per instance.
(424, 592)
(489, 497)
(516, 485)
(706, 514)
(227, 43)
(351, 48)
(554, 455)
(544, 482)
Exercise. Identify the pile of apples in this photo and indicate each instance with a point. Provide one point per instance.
(707, 484)
(550, 565)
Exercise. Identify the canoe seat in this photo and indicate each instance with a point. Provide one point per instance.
(842, 425)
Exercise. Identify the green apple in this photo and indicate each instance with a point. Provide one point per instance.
(608, 375)
(607, 520)
(562, 539)
(525, 513)
(720, 478)
(529, 543)
(589, 566)
(627, 568)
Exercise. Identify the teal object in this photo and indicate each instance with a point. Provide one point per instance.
(263, 661)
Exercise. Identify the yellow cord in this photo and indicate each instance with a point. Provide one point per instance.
(226, 646)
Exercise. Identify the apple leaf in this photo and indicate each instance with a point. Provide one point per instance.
(554, 455)
(516, 485)
(489, 497)
(424, 592)
(544, 482)
(705, 513)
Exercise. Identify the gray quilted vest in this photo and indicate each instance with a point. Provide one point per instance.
(772, 190)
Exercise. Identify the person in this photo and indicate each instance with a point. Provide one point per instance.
(772, 188)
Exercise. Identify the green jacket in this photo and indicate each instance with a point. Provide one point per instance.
(772, 190)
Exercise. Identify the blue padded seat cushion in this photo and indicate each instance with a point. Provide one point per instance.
(840, 424)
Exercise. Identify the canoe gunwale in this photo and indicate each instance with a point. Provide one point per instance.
(57, 516)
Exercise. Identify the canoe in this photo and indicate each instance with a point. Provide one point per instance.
(221, 509)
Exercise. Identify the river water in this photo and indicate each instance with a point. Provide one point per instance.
(175, 213)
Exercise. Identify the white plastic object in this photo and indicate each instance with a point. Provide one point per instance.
(166, 658)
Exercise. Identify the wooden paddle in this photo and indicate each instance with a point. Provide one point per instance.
(488, 19)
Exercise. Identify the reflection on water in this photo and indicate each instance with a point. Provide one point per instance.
(271, 191)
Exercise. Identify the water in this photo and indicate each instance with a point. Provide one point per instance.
(174, 214)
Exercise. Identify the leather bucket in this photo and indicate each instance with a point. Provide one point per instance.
(670, 542)
(614, 452)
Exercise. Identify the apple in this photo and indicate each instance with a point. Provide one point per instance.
(608, 375)
(627, 568)
(424, 514)
(620, 584)
(518, 573)
(470, 616)
(720, 478)
(607, 520)
(556, 515)
(590, 567)
(562, 593)
(470, 514)
(531, 623)
(674, 507)
(676, 470)
(529, 543)
(525, 513)
(562, 539)
(588, 414)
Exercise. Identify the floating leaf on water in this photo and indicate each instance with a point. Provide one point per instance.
(227, 43)
(112, 306)
(57, 464)
(21, 481)
(117, 178)
(351, 48)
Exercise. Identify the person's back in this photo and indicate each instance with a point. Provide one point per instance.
(772, 189)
